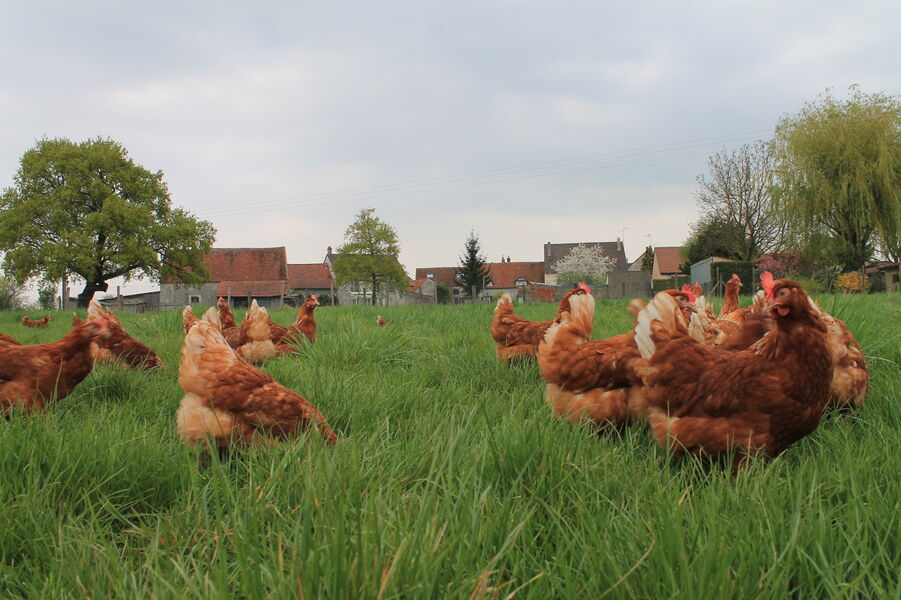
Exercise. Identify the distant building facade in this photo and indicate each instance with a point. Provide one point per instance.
(313, 279)
(237, 274)
(666, 262)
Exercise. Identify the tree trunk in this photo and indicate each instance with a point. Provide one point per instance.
(374, 290)
(84, 298)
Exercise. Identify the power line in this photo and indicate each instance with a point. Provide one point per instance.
(480, 177)
(465, 185)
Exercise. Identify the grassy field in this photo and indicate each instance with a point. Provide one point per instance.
(452, 479)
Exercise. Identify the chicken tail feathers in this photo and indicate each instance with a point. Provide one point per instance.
(579, 321)
(504, 305)
(211, 316)
(662, 312)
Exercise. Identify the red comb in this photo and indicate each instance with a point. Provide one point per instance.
(584, 287)
(768, 284)
(686, 289)
(734, 276)
(313, 297)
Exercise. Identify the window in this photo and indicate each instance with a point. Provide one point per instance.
(521, 281)
(193, 299)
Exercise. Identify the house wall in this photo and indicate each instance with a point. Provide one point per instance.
(892, 279)
(346, 297)
(426, 293)
(173, 295)
(176, 295)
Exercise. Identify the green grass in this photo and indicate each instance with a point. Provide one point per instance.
(451, 479)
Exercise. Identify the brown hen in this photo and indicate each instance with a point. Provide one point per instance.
(709, 401)
(518, 337)
(226, 318)
(229, 401)
(586, 379)
(119, 346)
(32, 376)
(42, 322)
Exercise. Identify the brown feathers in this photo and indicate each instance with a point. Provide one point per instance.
(42, 323)
(229, 401)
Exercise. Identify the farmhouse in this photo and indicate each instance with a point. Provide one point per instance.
(238, 274)
(311, 279)
(423, 290)
(512, 277)
(666, 262)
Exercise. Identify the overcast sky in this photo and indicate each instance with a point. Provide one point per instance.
(527, 122)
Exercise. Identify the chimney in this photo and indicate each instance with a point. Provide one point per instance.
(619, 244)
(329, 251)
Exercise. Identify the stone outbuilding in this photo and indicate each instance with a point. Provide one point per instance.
(237, 274)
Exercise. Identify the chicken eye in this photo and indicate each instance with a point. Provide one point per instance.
(783, 293)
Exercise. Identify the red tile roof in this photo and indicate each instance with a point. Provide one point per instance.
(505, 274)
(314, 276)
(668, 259)
(258, 289)
(247, 264)
(442, 275)
(414, 285)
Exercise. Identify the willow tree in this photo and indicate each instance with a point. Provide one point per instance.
(839, 174)
(87, 209)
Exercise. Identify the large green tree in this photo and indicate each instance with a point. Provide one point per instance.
(839, 173)
(87, 209)
(473, 273)
(369, 255)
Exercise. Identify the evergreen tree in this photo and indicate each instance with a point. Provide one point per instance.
(647, 261)
(472, 270)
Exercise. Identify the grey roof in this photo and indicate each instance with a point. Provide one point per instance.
(554, 253)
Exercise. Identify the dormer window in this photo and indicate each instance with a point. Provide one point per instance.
(521, 281)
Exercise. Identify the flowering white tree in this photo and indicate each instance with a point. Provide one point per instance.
(583, 263)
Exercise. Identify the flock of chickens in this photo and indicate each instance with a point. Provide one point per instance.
(750, 381)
